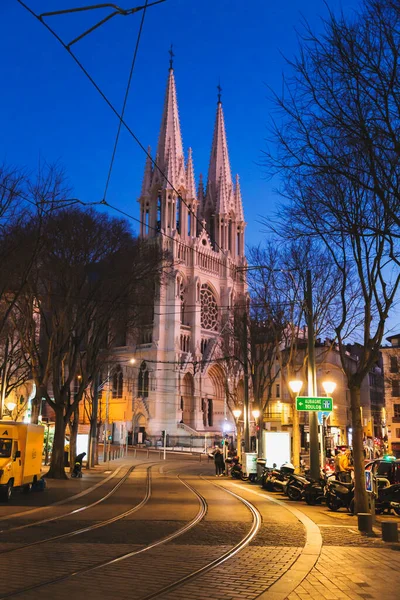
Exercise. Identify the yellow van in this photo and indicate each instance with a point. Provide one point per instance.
(21, 447)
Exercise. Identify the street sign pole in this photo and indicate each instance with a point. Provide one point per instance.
(312, 383)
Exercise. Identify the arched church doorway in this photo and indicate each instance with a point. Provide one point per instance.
(139, 429)
(188, 408)
(213, 407)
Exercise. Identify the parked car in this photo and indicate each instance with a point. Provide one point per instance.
(385, 468)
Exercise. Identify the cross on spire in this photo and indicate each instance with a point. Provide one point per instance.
(171, 60)
(219, 88)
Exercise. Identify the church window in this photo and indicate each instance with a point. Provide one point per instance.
(230, 236)
(210, 414)
(182, 309)
(158, 224)
(209, 308)
(143, 381)
(189, 221)
(117, 383)
(146, 221)
(178, 214)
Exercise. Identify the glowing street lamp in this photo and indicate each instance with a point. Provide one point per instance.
(329, 387)
(296, 385)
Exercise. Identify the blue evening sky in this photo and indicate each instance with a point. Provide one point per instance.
(49, 110)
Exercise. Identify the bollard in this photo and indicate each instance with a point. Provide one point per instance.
(199, 456)
(134, 453)
(365, 522)
(147, 453)
(389, 531)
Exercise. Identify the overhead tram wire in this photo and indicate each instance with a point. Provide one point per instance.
(109, 103)
(125, 100)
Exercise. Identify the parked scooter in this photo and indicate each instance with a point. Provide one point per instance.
(388, 497)
(276, 480)
(315, 492)
(77, 470)
(296, 486)
(236, 470)
(339, 494)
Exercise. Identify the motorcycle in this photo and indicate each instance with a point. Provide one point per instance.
(339, 494)
(275, 480)
(296, 486)
(77, 470)
(236, 470)
(388, 497)
(315, 492)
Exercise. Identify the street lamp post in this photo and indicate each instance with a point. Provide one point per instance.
(329, 388)
(236, 413)
(256, 414)
(296, 386)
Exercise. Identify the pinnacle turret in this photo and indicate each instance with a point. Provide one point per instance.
(170, 149)
(148, 172)
(190, 182)
(238, 202)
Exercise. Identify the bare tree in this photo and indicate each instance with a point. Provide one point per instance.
(277, 282)
(89, 270)
(338, 153)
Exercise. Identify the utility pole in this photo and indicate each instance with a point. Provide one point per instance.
(246, 385)
(312, 382)
(93, 424)
(105, 449)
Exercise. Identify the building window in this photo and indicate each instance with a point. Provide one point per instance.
(398, 432)
(210, 414)
(178, 214)
(158, 222)
(396, 389)
(209, 308)
(278, 390)
(117, 383)
(143, 381)
(396, 411)
(394, 366)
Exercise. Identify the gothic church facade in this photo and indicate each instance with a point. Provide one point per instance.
(179, 383)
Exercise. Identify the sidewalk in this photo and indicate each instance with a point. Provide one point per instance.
(355, 573)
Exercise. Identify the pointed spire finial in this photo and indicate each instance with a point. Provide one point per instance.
(219, 88)
(171, 60)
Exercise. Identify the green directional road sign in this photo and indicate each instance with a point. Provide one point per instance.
(314, 403)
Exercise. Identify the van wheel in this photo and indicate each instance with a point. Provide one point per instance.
(27, 488)
(6, 492)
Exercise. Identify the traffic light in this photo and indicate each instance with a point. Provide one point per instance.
(163, 434)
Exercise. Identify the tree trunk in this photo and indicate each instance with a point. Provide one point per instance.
(361, 495)
(296, 442)
(56, 470)
(35, 407)
(73, 430)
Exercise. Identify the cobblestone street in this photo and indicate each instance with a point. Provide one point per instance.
(154, 529)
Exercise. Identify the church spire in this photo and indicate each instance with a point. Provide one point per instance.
(219, 184)
(170, 149)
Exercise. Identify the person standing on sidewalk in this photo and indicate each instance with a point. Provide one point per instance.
(344, 467)
(219, 463)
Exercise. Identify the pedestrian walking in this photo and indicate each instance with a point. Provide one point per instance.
(219, 463)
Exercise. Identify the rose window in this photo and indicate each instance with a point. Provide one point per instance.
(209, 308)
